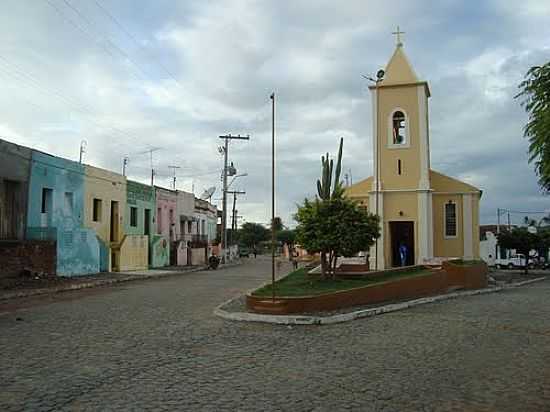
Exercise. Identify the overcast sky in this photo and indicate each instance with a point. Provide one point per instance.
(129, 76)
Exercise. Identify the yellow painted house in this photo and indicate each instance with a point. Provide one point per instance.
(434, 216)
(104, 206)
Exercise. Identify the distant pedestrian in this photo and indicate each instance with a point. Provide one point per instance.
(295, 260)
(255, 252)
(403, 253)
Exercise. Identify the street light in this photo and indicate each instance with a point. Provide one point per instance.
(379, 77)
(235, 177)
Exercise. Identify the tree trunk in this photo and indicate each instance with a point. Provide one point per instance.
(335, 260)
(330, 264)
(323, 265)
(526, 270)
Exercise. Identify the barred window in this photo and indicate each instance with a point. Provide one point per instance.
(450, 219)
(96, 215)
(398, 126)
(133, 216)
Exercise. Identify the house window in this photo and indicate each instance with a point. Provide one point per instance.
(69, 203)
(398, 128)
(46, 200)
(133, 216)
(189, 227)
(96, 215)
(450, 219)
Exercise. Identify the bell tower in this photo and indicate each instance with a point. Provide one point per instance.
(400, 126)
(401, 158)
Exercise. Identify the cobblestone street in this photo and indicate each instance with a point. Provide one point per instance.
(155, 345)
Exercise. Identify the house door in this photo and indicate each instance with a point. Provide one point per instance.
(147, 222)
(114, 221)
(147, 230)
(10, 212)
(402, 233)
(174, 253)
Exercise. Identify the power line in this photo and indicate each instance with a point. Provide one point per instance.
(533, 212)
(90, 36)
(91, 24)
(133, 38)
(31, 81)
(113, 45)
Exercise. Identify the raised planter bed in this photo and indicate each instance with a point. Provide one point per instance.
(427, 283)
(353, 267)
(348, 272)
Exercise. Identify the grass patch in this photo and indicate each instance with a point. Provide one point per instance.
(299, 283)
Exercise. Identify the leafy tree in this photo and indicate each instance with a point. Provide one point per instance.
(544, 236)
(287, 236)
(277, 222)
(251, 234)
(545, 221)
(331, 224)
(535, 95)
(522, 240)
(334, 228)
(529, 221)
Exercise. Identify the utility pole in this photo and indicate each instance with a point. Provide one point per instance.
(174, 181)
(83, 145)
(234, 214)
(225, 150)
(124, 164)
(272, 196)
(498, 232)
(379, 77)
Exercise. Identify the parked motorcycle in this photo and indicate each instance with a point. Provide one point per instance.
(213, 262)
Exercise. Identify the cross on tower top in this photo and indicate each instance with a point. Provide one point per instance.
(398, 34)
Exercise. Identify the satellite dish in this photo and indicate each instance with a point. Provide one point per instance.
(380, 74)
(208, 193)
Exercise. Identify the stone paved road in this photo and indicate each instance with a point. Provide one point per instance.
(156, 346)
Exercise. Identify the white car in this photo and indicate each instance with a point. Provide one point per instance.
(513, 262)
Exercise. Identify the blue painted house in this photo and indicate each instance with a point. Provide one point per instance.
(56, 212)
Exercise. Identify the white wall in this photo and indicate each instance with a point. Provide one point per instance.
(487, 248)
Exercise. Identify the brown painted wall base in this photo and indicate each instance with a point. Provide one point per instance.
(437, 282)
(27, 255)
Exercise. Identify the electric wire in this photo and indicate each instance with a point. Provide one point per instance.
(134, 40)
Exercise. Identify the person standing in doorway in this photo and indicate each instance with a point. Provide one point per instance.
(403, 253)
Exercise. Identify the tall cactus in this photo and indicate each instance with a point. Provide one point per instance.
(325, 183)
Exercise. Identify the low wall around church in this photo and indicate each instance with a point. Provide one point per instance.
(438, 281)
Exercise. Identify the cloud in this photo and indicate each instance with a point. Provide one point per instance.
(197, 70)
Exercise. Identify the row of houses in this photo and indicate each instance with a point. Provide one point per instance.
(96, 219)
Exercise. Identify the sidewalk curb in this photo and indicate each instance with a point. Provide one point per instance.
(94, 284)
(364, 313)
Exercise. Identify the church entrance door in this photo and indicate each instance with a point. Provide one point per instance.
(402, 233)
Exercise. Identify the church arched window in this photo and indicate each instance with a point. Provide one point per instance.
(399, 128)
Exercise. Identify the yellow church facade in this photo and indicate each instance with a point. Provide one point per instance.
(431, 216)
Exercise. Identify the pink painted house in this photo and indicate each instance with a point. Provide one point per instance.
(166, 220)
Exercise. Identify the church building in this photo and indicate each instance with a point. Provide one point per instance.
(430, 216)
